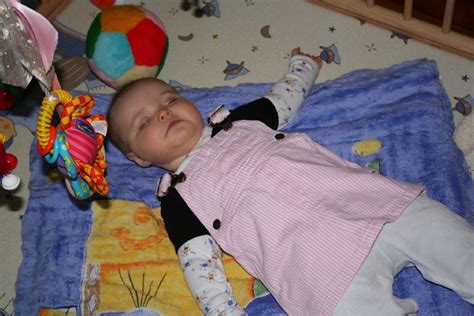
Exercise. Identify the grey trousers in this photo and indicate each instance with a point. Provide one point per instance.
(428, 235)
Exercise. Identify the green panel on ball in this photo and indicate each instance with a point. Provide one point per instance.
(163, 57)
(92, 35)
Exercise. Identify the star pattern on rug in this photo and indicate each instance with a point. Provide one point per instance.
(371, 47)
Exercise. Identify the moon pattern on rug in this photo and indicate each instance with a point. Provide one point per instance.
(265, 31)
(186, 37)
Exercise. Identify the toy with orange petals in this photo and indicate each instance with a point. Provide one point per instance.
(75, 144)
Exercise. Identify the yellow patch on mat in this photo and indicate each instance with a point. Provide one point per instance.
(131, 264)
(367, 147)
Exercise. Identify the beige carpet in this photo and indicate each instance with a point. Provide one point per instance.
(259, 33)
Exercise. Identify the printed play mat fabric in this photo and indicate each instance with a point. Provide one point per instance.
(131, 268)
(131, 265)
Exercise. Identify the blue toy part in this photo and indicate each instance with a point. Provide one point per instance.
(60, 151)
(53, 156)
(80, 188)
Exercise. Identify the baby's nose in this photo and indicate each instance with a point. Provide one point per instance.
(163, 114)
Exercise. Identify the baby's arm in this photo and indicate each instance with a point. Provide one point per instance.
(200, 257)
(201, 261)
(289, 92)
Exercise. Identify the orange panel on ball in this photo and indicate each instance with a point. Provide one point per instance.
(121, 18)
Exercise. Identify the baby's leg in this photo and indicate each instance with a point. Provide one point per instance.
(371, 290)
(429, 235)
(438, 242)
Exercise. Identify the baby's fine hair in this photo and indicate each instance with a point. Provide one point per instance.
(113, 129)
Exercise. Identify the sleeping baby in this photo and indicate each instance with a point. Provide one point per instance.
(324, 235)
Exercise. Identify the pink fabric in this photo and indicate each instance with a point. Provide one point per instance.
(42, 32)
(292, 213)
(81, 142)
(163, 185)
(218, 115)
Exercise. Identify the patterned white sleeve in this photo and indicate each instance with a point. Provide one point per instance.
(289, 92)
(201, 261)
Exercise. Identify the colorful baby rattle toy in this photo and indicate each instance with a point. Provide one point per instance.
(76, 144)
(8, 162)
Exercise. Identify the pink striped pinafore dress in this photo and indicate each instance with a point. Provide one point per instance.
(292, 213)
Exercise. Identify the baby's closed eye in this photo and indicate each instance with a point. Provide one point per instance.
(170, 100)
(144, 122)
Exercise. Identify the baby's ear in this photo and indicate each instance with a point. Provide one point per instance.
(139, 161)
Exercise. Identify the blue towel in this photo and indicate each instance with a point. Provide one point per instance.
(405, 106)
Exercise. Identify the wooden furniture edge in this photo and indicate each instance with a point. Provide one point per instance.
(425, 32)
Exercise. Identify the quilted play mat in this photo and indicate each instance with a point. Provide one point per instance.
(113, 257)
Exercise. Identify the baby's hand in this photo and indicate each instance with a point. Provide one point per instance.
(297, 51)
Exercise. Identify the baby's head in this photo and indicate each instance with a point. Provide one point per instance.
(153, 125)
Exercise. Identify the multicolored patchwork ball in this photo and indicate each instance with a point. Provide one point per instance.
(125, 43)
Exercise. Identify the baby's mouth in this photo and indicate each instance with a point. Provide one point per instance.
(171, 125)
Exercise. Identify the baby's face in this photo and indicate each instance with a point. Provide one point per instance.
(159, 125)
